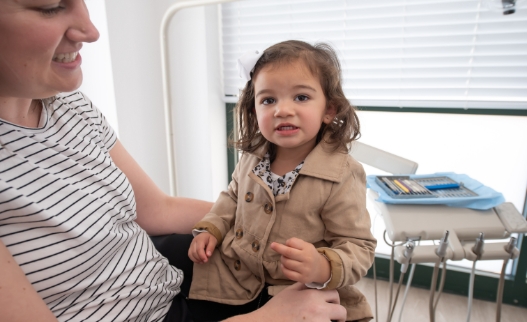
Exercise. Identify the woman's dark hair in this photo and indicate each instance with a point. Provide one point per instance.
(321, 60)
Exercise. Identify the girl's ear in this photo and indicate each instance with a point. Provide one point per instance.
(330, 114)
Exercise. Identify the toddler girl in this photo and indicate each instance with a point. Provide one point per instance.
(295, 208)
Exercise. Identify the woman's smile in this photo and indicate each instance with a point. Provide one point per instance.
(66, 57)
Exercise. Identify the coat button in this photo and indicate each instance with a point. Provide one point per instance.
(249, 196)
(268, 208)
(256, 246)
(239, 233)
(237, 265)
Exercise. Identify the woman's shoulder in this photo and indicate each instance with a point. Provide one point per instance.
(73, 105)
(73, 99)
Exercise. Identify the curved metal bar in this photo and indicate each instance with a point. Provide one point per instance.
(167, 99)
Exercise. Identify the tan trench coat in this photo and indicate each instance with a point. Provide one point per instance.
(326, 206)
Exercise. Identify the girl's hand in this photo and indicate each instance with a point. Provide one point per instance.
(301, 262)
(202, 247)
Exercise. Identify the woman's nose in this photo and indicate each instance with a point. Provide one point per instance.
(82, 29)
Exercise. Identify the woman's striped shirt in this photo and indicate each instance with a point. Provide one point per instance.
(67, 217)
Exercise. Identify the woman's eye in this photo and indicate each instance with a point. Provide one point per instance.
(301, 98)
(48, 12)
(267, 101)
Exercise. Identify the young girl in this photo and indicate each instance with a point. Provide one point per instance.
(295, 208)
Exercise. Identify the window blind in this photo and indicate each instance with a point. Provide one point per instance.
(395, 53)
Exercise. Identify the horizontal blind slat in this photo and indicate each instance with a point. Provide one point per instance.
(394, 50)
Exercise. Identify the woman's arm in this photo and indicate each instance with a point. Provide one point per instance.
(158, 213)
(20, 302)
(18, 299)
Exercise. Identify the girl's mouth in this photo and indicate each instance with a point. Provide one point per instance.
(286, 128)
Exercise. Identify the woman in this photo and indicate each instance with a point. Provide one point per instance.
(75, 209)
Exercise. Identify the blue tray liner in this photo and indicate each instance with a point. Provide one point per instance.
(487, 197)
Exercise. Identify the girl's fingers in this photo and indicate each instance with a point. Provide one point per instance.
(286, 251)
(292, 264)
(192, 257)
(292, 275)
(201, 253)
(191, 252)
(210, 248)
(296, 243)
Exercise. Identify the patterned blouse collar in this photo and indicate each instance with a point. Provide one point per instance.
(278, 184)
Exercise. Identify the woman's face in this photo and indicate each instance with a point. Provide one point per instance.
(39, 45)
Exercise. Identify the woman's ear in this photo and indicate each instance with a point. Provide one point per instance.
(330, 114)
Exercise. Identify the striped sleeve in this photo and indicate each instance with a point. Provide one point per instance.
(108, 135)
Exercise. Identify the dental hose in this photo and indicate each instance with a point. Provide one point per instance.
(401, 277)
(408, 283)
(500, 291)
(440, 252)
(391, 284)
(409, 249)
(478, 251)
(392, 245)
(441, 285)
(375, 289)
(471, 290)
(433, 290)
(509, 249)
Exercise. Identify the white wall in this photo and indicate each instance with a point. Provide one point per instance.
(97, 66)
(198, 112)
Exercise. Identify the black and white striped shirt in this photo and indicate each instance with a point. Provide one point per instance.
(67, 217)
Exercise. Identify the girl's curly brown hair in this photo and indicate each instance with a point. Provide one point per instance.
(321, 60)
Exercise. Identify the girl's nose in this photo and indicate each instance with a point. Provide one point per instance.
(283, 109)
(82, 29)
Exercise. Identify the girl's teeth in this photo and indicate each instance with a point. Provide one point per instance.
(65, 58)
(286, 128)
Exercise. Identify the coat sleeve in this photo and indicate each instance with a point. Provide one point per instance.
(347, 222)
(223, 213)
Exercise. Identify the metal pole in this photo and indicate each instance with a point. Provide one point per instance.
(166, 82)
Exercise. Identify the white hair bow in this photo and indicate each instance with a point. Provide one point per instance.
(246, 63)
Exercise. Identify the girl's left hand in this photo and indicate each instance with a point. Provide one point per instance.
(301, 262)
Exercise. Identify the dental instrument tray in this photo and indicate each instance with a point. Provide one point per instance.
(404, 187)
(436, 189)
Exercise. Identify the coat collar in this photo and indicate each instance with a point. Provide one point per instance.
(322, 162)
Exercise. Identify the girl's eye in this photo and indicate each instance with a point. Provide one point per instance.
(48, 12)
(267, 101)
(301, 98)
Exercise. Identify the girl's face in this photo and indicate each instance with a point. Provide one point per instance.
(39, 45)
(290, 106)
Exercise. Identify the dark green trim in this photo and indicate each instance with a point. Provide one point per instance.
(477, 111)
(231, 152)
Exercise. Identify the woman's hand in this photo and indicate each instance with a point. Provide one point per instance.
(301, 262)
(298, 304)
(202, 247)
